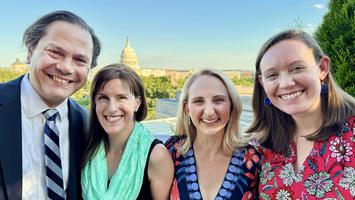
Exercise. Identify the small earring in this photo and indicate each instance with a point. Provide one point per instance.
(267, 101)
(324, 88)
(189, 121)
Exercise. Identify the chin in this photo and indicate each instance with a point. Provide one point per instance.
(294, 112)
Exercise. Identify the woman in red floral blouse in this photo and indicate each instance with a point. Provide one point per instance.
(303, 121)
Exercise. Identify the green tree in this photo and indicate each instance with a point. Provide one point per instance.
(158, 87)
(336, 35)
(7, 74)
(83, 95)
(246, 81)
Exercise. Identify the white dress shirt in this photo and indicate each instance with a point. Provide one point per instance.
(33, 121)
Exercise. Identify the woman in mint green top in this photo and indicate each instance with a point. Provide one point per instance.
(122, 159)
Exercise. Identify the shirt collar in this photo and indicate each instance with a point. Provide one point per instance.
(33, 104)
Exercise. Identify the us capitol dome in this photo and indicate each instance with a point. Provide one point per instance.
(129, 57)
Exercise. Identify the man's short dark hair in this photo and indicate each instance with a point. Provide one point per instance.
(38, 29)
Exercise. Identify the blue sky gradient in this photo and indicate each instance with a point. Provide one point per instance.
(183, 34)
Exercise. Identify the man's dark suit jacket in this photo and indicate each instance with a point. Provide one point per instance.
(11, 141)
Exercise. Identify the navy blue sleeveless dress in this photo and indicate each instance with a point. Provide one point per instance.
(240, 181)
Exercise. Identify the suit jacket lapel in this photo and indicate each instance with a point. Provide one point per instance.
(75, 130)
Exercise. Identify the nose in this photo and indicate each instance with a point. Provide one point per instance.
(209, 109)
(286, 81)
(65, 66)
(113, 106)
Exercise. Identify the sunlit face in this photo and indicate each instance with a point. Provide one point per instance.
(60, 62)
(208, 105)
(291, 77)
(115, 107)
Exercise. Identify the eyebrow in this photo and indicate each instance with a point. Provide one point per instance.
(117, 95)
(53, 46)
(288, 65)
(58, 48)
(216, 96)
(220, 96)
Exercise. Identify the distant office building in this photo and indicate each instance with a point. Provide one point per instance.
(232, 74)
(129, 57)
(19, 66)
(176, 75)
(155, 72)
(247, 74)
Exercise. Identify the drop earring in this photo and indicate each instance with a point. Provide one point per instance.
(267, 101)
(324, 88)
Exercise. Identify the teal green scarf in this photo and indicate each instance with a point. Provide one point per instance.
(127, 180)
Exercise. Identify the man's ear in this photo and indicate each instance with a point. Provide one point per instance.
(29, 55)
(324, 67)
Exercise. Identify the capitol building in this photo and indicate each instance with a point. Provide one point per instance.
(129, 57)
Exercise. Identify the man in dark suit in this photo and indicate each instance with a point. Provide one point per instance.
(61, 50)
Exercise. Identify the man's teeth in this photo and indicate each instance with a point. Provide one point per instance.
(112, 118)
(62, 81)
(288, 97)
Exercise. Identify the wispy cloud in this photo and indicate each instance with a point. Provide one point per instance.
(310, 28)
(319, 6)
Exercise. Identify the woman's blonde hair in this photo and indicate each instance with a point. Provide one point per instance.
(184, 127)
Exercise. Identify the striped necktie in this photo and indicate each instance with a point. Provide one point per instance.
(53, 164)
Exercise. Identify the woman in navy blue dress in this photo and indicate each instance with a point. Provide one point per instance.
(212, 158)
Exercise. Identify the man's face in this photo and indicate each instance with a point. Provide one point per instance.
(60, 62)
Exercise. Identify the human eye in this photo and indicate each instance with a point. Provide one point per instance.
(197, 101)
(123, 97)
(297, 68)
(53, 52)
(270, 76)
(219, 100)
(81, 61)
(102, 97)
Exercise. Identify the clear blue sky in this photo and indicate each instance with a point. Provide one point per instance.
(172, 34)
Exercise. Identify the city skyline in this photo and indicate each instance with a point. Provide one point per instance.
(175, 35)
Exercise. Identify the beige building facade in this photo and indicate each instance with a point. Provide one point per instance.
(129, 57)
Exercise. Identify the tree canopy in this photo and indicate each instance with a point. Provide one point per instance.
(336, 36)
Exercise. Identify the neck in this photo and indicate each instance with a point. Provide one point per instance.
(208, 146)
(117, 142)
(308, 124)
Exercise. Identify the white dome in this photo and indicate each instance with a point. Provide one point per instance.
(128, 56)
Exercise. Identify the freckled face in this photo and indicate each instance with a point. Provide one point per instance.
(208, 105)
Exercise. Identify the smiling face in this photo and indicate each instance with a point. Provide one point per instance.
(60, 61)
(291, 77)
(208, 105)
(115, 107)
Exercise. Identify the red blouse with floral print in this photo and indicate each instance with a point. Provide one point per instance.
(327, 173)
